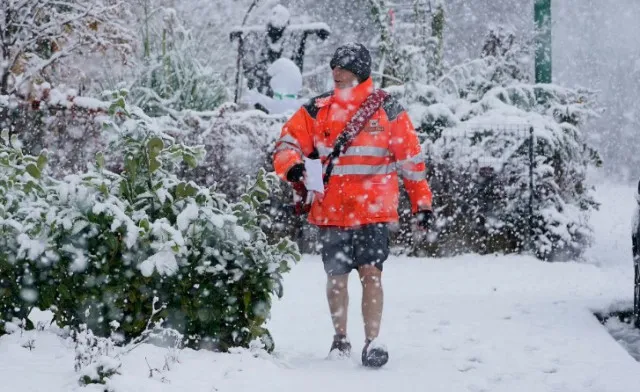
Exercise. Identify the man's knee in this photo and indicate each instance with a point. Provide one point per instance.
(370, 270)
(337, 282)
(370, 274)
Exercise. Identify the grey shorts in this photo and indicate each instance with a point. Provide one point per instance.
(345, 249)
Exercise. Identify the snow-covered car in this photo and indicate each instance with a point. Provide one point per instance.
(635, 238)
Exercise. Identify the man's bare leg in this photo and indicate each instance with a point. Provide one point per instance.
(338, 298)
(372, 299)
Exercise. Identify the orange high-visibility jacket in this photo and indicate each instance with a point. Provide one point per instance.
(363, 187)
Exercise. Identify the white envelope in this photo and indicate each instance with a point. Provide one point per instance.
(314, 175)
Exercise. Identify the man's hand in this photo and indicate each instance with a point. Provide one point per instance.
(296, 173)
(425, 219)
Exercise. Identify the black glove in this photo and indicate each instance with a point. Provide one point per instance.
(296, 173)
(295, 176)
(424, 219)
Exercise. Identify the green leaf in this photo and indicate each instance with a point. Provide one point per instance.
(246, 298)
(191, 190)
(154, 164)
(118, 107)
(120, 103)
(33, 170)
(124, 191)
(185, 190)
(100, 160)
(180, 193)
(190, 160)
(42, 161)
(145, 224)
(155, 146)
(131, 166)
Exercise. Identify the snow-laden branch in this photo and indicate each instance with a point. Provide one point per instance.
(35, 34)
(151, 322)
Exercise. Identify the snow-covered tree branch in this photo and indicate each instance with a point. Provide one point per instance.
(35, 35)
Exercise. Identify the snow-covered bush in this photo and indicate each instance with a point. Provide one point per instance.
(36, 36)
(99, 246)
(55, 120)
(172, 77)
(94, 356)
(237, 143)
(19, 185)
(507, 159)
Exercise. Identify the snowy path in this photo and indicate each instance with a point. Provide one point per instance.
(463, 324)
(469, 323)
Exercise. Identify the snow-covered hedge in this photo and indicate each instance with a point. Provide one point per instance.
(67, 125)
(99, 246)
(237, 143)
(497, 186)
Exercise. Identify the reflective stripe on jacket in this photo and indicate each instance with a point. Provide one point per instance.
(363, 187)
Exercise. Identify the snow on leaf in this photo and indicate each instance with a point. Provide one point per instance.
(29, 248)
(241, 234)
(164, 262)
(189, 214)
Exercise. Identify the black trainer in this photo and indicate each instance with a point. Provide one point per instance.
(374, 354)
(340, 348)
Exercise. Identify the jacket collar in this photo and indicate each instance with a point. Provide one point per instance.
(354, 95)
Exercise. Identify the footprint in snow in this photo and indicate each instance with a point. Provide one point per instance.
(477, 388)
(441, 323)
(463, 368)
(531, 348)
(448, 347)
(475, 359)
(553, 367)
(471, 363)
(473, 340)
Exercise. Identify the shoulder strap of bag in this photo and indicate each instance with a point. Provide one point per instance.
(354, 126)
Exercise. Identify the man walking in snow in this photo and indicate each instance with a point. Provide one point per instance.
(364, 139)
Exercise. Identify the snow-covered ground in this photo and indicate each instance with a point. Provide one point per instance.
(470, 323)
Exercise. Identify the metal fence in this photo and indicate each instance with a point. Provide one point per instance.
(485, 152)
